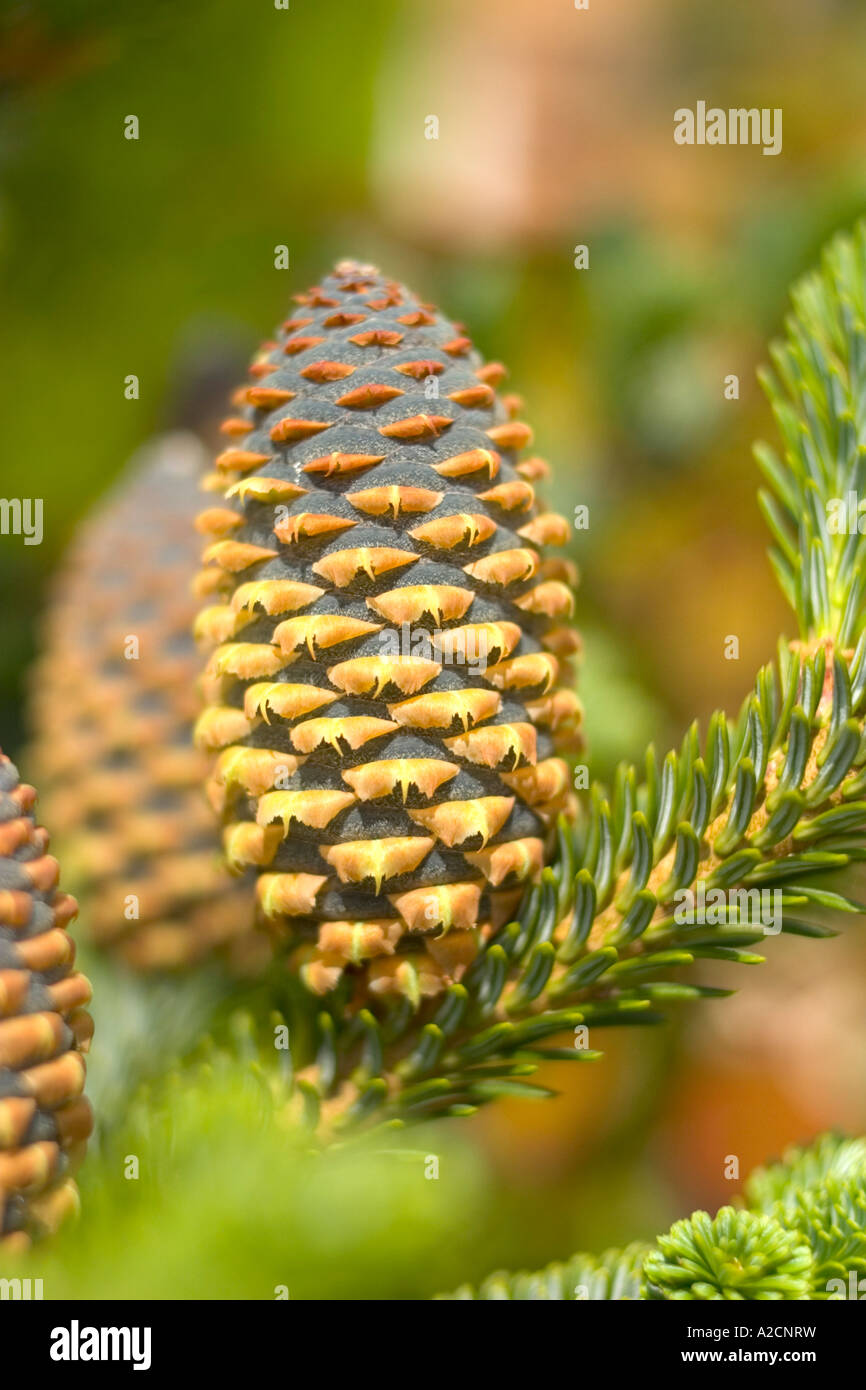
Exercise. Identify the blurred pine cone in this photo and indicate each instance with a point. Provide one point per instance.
(44, 1118)
(114, 700)
(389, 688)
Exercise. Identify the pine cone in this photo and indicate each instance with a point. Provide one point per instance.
(386, 691)
(44, 1118)
(114, 754)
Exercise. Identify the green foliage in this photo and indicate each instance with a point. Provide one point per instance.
(780, 1184)
(617, 1274)
(821, 1192)
(804, 1226)
(171, 1014)
(819, 400)
(206, 1190)
(736, 1255)
(764, 802)
(833, 1218)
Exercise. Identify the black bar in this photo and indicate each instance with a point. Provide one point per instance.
(255, 1339)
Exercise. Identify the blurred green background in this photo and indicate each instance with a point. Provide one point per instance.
(262, 126)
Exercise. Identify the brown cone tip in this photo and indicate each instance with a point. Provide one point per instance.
(114, 700)
(44, 1028)
(388, 691)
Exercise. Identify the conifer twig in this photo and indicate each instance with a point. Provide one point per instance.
(681, 861)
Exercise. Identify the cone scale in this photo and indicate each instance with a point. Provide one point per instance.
(44, 1028)
(388, 692)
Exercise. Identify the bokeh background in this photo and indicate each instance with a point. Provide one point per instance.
(305, 126)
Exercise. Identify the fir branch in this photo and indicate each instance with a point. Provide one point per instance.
(801, 1235)
(818, 395)
(615, 1275)
(669, 867)
(779, 1185)
(832, 1216)
(652, 880)
(736, 1255)
(820, 1191)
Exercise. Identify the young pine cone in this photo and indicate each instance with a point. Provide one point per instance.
(44, 1117)
(114, 702)
(388, 691)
